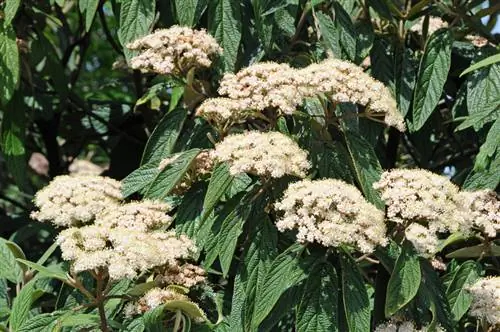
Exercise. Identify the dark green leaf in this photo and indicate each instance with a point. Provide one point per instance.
(162, 141)
(220, 182)
(225, 26)
(22, 304)
(480, 64)
(153, 319)
(483, 179)
(10, 11)
(404, 282)
(489, 147)
(329, 33)
(89, 8)
(346, 30)
(171, 175)
(365, 164)
(189, 11)
(318, 310)
(458, 297)
(355, 296)
(9, 64)
(50, 272)
(136, 18)
(9, 268)
(139, 179)
(432, 75)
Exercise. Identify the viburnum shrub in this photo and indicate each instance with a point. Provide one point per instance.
(258, 165)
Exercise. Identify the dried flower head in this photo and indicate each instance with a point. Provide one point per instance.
(270, 155)
(477, 41)
(264, 85)
(435, 23)
(332, 213)
(417, 195)
(136, 216)
(344, 82)
(423, 239)
(75, 200)
(123, 252)
(224, 112)
(174, 51)
(486, 299)
(482, 208)
(187, 275)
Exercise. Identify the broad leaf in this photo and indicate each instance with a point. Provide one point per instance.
(318, 310)
(10, 11)
(89, 8)
(136, 18)
(54, 271)
(162, 141)
(458, 297)
(432, 75)
(41, 323)
(139, 179)
(22, 304)
(225, 26)
(329, 33)
(480, 64)
(355, 296)
(9, 64)
(189, 11)
(404, 282)
(9, 268)
(220, 181)
(489, 147)
(346, 31)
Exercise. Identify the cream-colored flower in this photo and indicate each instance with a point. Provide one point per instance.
(332, 213)
(477, 41)
(75, 200)
(403, 326)
(224, 112)
(264, 85)
(84, 167)
(174, 51)
(344, 82)
(423, 239)
(141, 216)
(270, 155)
(482, 208)
(486, 299)
(153, 299)
(417, 195)
(187, 275)
(435, 23)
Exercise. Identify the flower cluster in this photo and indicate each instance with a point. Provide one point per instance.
(270, 155)
(403, 326)
(486, 299)
(332, 213)
(344, 82)
(153, 299)
(201, 166)
(428, 204)
(174, 51)
(187, 275)
(264, 85)
(84, 167)
(76, 200)
(280, 87)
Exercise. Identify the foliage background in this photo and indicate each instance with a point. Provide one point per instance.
(61, 99)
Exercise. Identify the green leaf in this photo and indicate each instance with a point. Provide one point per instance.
(10, 11)
(171, 175)
(480, 64)
(162, 141)
(53, 271)
(79, 320)
(329, 33)
(346, 31)
(332, 161)
(9, 268)
(256, 260)
(189, 11)
(13, 134)
(484, 179)
(141, 288)
(41, 323)
(365, 164)
(355, 296)
(458, 297)
(136, 18)
(89, 8)
(9, 64)
(220, 182)
(153, 319)
(404, 282)
(139, 179)
(405, 75)
(286, 271)
(318, 309)
(489, 147)
(189, 308)
(432, 75)
(225, 25)
(22, 304)
(483, 92)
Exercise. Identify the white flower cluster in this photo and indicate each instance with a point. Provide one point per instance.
(270, 155)
(201, 166)
(174, 51)
(187, 275)
(280, 87)
(435, 23)
(486, 300)
(332, 213)
(403, 326)
(428, 204)
(152, 299)
(76, 200)
(482, 208)
(84, 167)
(344, 82)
